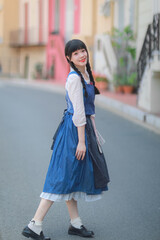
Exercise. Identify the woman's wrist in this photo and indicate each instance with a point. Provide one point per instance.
(81, 134)
(81, 141)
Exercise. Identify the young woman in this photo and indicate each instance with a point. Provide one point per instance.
(77, 168)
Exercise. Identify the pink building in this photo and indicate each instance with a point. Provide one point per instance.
(44, 28)
(63, 22)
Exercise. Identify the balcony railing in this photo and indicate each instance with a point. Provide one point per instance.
(30, 37)
(151, 43)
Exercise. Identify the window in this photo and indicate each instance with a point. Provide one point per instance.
(57, 14)
(69, 24)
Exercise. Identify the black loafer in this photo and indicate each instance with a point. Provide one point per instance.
(27, 232)
(82, 232)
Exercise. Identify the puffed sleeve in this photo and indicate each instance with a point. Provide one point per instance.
(75, 92)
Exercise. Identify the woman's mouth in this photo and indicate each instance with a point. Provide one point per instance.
(83, 60)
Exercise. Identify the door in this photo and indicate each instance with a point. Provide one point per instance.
(26, 67)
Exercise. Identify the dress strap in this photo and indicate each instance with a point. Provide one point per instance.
(73, 72)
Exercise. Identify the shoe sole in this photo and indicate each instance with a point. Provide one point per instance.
(73, 233)
(27, 235)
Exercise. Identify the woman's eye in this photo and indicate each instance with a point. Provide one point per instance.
(75, 53)
(83, 50)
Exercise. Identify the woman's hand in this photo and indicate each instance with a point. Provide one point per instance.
(81, 147)
(80, 151)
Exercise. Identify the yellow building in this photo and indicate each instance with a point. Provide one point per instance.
(98, 17)
(23, 36)
(30, 37)
(9, 20)
(93, 21)
(24, 39)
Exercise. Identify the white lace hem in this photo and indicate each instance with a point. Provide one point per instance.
(75, 195)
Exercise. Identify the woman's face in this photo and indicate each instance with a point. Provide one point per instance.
(79, 58)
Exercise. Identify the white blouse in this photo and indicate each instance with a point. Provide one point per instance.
(75, 92)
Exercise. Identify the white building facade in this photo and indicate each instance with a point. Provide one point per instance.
(148, 55)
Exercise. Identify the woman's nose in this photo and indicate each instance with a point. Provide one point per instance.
(81, 54)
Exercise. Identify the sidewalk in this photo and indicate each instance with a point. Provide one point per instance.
(123, 104)
(126, 105)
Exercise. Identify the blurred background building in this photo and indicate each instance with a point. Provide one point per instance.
(148, 55)
(9, 20)
(33, 34)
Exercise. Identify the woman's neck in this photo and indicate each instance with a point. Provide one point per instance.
(82, 69)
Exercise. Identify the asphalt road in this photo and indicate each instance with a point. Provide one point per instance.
(130, 210)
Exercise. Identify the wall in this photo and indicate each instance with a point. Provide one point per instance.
(125, 13)
(35, 53)
(1, 21)
(86, 17)
(92, 22)
(104, 23)
(145, 17)
(149, 96)
(9, 19)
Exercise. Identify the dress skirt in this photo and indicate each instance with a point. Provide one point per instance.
(68, 177)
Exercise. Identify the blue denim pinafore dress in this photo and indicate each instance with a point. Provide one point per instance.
(66, 174)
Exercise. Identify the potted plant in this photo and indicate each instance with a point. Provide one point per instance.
(118, 82)
(123, 44)
(130, 83)
(101, 81)
(39, 70)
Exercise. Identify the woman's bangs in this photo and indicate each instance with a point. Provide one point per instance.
(76, 46)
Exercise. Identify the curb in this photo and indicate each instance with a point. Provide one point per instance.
(130, 111)
(122, 107)
(102, 101)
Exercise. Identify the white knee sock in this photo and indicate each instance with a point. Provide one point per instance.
(76, 222)
(35, 226)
